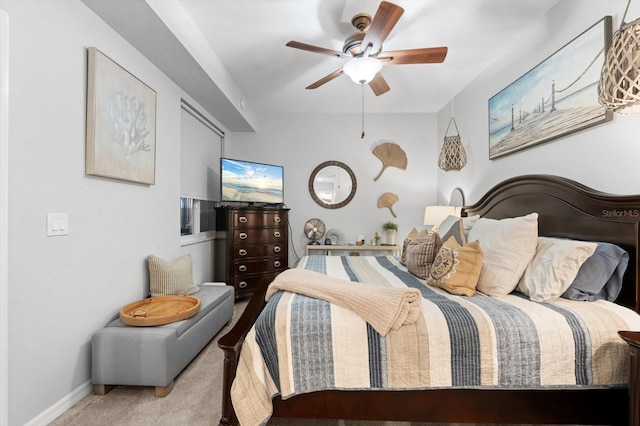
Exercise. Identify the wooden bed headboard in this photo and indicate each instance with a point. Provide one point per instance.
(568, 209)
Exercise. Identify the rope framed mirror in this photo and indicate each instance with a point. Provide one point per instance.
(332, 184)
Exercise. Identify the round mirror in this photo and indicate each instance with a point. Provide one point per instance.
(332, 184)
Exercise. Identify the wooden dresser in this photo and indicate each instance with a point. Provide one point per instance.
(255, 249)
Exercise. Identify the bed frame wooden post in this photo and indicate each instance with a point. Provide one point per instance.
(231, 343)
(230, 367)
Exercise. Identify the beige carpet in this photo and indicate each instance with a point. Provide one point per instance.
(195, 400)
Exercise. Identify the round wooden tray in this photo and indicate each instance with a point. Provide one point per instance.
(159, 310)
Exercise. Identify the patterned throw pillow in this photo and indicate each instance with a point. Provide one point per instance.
(171, 278)
(407, 241)
(456, 268)
(421, 252)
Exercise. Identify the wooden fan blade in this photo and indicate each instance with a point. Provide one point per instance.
(430, 55)
(379, 85)
(316, 49)
(383, 22)
(326, 79)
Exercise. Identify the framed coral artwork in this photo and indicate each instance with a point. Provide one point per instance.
(121, 122)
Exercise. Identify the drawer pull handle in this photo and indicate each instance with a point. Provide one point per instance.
(242, 268)
(242, 219)
(243, 236)
(242, 284)
(276, 263)
(242, 252)
(276, 234)
(277, 219)
(277, 249)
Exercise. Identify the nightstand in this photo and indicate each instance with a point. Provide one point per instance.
(633, 339)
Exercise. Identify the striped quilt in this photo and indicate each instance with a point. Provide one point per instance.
(300, 344)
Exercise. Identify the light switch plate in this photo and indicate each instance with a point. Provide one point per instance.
(57, 224)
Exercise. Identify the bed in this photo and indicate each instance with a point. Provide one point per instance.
(565, 209)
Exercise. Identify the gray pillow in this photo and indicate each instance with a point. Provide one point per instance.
(467, 224)
(456, 231)
(446, 224)
(600, 276)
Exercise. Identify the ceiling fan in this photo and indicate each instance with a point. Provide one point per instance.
(364, 50)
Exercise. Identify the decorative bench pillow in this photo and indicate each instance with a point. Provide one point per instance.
(171, 278)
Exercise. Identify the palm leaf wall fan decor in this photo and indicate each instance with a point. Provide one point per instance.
(391, 155)
(364, 50)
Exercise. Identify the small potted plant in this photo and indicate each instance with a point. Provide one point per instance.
(390, 229)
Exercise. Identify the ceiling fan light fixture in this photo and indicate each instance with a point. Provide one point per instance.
(362, 70)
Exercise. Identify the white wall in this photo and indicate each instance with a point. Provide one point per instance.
(62, 289)
(604, 157)
(301, 142)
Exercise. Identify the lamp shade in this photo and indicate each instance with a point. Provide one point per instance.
(434, 215)
(362, 70)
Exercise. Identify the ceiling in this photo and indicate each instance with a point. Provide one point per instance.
(247, 39)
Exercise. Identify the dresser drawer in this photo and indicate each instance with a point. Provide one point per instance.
(256, 236)
(259, 265)
(250, 283)
(248, 251)
(248, 219)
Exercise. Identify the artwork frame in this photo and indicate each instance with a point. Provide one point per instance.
(521, 115)
(121, 122)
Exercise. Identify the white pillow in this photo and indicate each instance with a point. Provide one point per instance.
(508, 246)
(554, 267)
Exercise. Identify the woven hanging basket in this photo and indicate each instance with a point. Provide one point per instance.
(452, 156)
(619, 85)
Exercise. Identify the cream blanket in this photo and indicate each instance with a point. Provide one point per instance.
(385, 308)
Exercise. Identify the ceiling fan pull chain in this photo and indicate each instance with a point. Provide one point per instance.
(362, 135)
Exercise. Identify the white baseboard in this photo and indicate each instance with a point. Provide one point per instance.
(53, 412)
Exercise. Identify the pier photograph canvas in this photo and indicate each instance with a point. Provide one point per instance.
(557, 97)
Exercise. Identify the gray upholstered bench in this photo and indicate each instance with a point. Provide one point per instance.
(153, 356)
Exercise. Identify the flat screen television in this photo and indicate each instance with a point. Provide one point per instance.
(250, 182)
